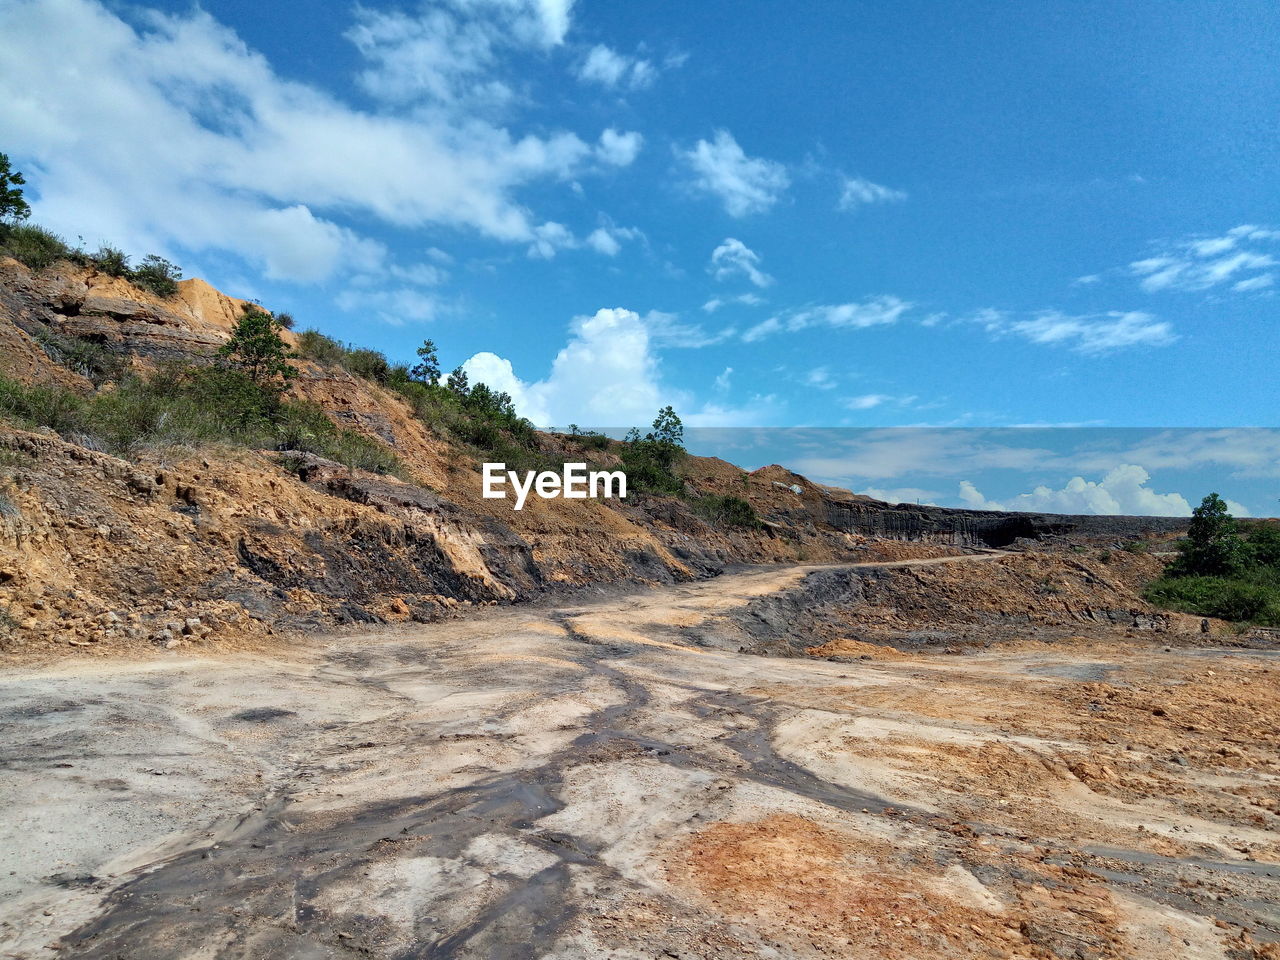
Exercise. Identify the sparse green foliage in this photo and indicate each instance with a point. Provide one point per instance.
(257, 349)
(427, 369)
(458, 383)
(314, 345)
(370, 364)
(1221, 574)
(111, 260)
(650, 460)
(13, 205)
(157, 275)
(191, 406)
(667, 428)
(33, 245)
(727, 511)
(88, 358)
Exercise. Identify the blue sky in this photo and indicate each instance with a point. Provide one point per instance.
(808, 214)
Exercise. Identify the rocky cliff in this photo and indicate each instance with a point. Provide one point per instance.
(182, 545)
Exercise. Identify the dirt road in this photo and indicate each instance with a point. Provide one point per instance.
(583, 781)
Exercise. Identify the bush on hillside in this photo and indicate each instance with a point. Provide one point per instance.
(1223, 569)
(314, 345)
(33, 245)
(191, 406)
(157, 275)
(111, 260)
(727, 511)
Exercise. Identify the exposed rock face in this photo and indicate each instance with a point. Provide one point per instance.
(96, 550)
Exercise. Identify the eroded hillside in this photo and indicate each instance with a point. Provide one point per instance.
(174, 545)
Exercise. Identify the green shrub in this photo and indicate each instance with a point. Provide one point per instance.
(285, 320)
(192, 406)
(1222, 597)
(86, 357)
(727, 511)
(314, 345)
(54, 407)
(111, 261)
(1137, 547)
(368, 364)
(157, 275)
(33, 245)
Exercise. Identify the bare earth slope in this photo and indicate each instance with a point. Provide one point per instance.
(581, 781)
(99, 555)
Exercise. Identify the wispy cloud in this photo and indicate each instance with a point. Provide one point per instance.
(877, 311)
(856, 192)
(1086, 333)
(1239, 259)
(733, 258)
(744, 184)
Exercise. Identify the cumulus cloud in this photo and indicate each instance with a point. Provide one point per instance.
(744, 184)
(608, 375)
(619, 149)
(733, 258)
(609, 68)
(1123, 490)
(857, 192)
(550, 237)
(188, 138)
(878, 311)
(1241, 258)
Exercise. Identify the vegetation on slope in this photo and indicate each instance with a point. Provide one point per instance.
(1224, 569)
(239, 396)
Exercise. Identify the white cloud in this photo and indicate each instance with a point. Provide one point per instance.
(878, 311)
(391, 305)
(608, 375)
(746, 299)
(1259, 282)
(609, 68)
(857, 192)
(187, 138)
(619, 149)
(820, 379)
(1237, 257)
(867, 401)
(608, 239)
(1086, 333)
(1123, 490)
(602, 241)
(734, 258)
(745, 185)
(902, 495)
(722, 383)
(1097, 333)
(550, 237)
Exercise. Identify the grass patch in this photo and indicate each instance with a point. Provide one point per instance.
(85, 357)
(726, 511)
(34, 246)
(1227, 598)
(191, 406)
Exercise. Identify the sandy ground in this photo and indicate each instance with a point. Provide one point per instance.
(578, 782)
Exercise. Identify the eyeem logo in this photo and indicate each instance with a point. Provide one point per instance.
(575, 484)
